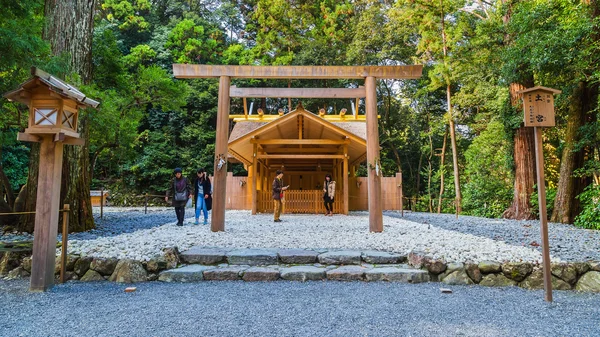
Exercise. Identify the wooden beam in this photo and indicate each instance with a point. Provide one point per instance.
(373, 163)
(74, 141)
(301, 156)
(245, 108)
(27, 137)
(297, 72)
(300, 141)
(220, 170)
(298, 92)
(331, 150)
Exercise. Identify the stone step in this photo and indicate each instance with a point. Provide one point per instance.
(393, 274)
(265, 256)
(302, 273)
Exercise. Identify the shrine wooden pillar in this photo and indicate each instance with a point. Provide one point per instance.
(254, 180)
(220, 166)
(345, 181)
(373, 164)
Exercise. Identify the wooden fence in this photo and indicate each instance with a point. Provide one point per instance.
(239, 196)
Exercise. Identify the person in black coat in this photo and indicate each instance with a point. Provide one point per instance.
(182, 192)
(202, 195)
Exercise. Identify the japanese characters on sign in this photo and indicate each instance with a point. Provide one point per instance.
(538, 106)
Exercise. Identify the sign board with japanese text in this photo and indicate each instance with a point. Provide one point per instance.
(538, 106)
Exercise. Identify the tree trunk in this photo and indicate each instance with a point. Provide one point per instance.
(442, 170)
(69, 29)
(565, 193)
(28, 194)
(524, 158)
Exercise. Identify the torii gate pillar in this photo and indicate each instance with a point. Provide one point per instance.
(373, 164)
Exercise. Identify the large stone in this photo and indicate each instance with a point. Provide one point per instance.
(26, 263)
(91, 276)
(455, 266)
(435, 266)
(347, 273)
(565, 272)
(297, 256)
(458, 277)
(590, 281)
(254, 274)
(416, 259)
(191, 273)
(488, 267)
(156, 264)
(340, 257)
(232, 273)
(129, 271)
(103, 266)
(397, 275)
(17, 273)
(70, 263)
(536, 281)
(581, 267)
(473, 272)
(594, 266)
(517, 271)
(302, 273)
(9, 260)
(82, 265)
(377, 257)
(171, 255)
(205, 256)
(252, 257)
(496, 280)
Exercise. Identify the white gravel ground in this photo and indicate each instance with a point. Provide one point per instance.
(242, 230)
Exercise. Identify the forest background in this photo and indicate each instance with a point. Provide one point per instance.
(456, 134)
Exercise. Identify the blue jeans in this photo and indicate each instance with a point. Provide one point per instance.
(201, 206)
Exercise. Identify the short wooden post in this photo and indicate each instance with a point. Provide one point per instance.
(101, 202)
(220, 166)
(373, 164)
(401, 192)
(539, 162)
(146, 203)
(46, 218)
(65, 237)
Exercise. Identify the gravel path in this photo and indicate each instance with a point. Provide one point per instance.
(567, 242)
(243, 230)
(292, 309)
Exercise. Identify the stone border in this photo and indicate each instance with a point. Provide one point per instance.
(201, 263)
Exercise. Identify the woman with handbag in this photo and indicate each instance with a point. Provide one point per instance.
(180, 188)
(202, 195)
(328, 194)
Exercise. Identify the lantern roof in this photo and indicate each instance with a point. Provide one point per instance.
(54, 84)
(539, 87)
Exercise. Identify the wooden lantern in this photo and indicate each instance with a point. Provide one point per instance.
(53, 114)
(53, 107)
(538, 106)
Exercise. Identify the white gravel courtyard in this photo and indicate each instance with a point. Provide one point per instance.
(243, 230)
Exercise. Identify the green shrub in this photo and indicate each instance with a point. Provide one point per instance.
(590, 216)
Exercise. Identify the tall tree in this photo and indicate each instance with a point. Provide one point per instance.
(69, 28)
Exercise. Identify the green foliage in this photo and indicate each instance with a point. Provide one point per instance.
(127, 13)
(590, 216)
(194, 43)
(488, 189)
(550, 196)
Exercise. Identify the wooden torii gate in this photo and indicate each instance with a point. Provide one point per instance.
(368, 73)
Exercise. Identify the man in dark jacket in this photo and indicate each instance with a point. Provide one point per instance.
(278, 189)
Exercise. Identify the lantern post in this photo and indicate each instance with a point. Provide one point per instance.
(53, 117)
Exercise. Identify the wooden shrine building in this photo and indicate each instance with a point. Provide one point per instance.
(305, 146)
